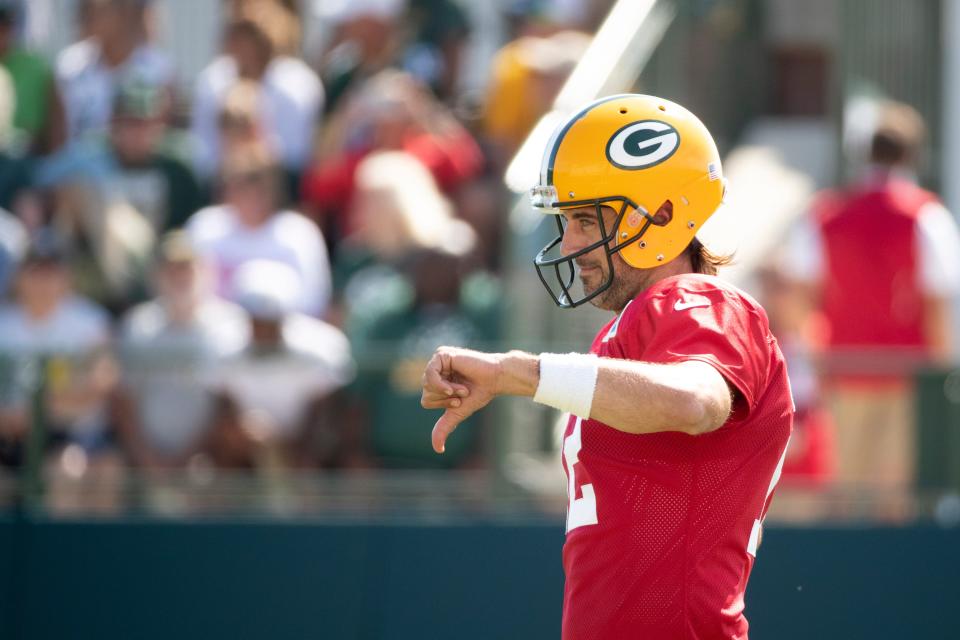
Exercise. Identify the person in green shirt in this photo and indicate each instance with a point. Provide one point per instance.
(126, 180)
(39, 114)
(427, 301)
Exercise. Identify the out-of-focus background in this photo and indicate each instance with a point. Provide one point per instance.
(232, 232)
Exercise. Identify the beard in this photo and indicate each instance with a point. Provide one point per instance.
(622, 288)
(614, 298)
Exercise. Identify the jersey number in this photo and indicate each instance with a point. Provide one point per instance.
(581, 511)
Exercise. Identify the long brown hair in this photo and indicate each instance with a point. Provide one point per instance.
(705, 261)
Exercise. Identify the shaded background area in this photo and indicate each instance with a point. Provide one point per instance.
(467, 580)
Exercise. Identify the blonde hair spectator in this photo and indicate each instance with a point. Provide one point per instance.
(400, 208)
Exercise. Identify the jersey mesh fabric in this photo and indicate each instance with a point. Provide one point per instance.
(668, 556)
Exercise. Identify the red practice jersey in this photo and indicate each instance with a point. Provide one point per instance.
(662, 528)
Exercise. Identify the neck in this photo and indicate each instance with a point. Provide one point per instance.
(649, 277)
(679, 265)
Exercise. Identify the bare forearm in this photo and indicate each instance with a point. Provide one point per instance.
(642, 397)
(636, 397)
(630, 396)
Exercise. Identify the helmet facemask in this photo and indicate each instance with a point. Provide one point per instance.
(563, 268)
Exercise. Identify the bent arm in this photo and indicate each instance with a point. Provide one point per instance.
(634, 397)
(639, 397)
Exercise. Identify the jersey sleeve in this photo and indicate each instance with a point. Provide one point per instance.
(714, 326)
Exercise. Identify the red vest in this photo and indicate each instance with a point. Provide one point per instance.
(871, 293)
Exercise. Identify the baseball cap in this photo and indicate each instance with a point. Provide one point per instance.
(138, 100)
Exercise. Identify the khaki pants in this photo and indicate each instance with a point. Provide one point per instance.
(875, 436)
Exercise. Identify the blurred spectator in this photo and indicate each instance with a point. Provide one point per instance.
(239, 123)
(39, 114)
(440, 31)
(47, 319)
(365, 41)
(16, 192)
(278, 397)
(280, 20)
(170, 349)
(115, 195)
(407, 290)
(289, 101)
(115, 53)
(398, 210)
(527, 75)
(249, 226)
(391, 112)
(430, 303)
(880, 260)
(133, 163)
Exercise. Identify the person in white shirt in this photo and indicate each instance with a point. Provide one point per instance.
(169, 347)
(290, 98)
(279, 394)
(89, 71)
(248, 226)
(46, 320)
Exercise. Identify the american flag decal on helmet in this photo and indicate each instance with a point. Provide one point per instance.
(713, 171)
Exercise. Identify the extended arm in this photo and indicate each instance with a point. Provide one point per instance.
(634, 397)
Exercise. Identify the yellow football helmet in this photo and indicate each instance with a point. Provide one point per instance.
(650, 160)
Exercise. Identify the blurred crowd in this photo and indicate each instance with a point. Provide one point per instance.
(252, 275)
(859, 296)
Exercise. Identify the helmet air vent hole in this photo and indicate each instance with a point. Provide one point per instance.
(659, 257)
(571, 194)
(623, 109)
(691, 224)
(664, 214)
(643, 244)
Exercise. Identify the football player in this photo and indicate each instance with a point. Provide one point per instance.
(681, 411)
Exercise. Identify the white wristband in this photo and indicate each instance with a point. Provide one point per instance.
(567, 382)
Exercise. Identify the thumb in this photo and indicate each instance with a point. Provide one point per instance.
(446, 425)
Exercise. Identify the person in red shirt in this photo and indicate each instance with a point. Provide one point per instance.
(878, 259)
(681, 411)
(391, 112)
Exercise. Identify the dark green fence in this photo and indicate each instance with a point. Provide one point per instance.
(163, 580)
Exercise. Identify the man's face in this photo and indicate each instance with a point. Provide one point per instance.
(251, 197)
(42, 284)
(109, 22)
(582, 230)
(249, 55)
(178, 281)
(135, 139)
